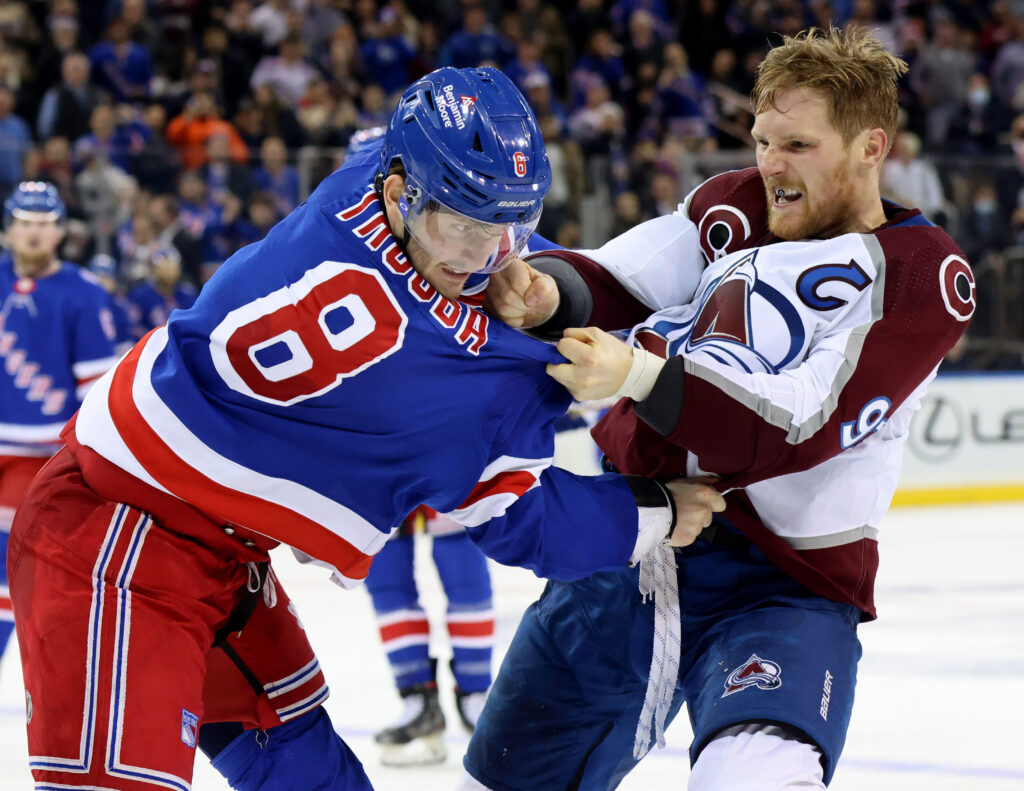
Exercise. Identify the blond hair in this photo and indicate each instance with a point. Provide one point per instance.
(849, 69)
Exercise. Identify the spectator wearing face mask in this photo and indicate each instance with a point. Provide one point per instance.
(984, 117)
(985, 227)
(985, 231)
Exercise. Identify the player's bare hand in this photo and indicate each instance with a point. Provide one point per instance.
(598, 363)
(696, 503)
(521, 296)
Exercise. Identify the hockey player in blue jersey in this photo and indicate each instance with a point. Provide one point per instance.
(56, 338)
(327, 382)
(104, 268)
(415, 738)
(150, 302)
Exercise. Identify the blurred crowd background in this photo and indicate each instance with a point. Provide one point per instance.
(197, 124)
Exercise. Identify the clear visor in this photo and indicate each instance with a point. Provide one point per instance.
(462, 243)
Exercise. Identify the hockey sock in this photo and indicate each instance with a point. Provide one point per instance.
(467, 583)
(404, 629)
(304, 754)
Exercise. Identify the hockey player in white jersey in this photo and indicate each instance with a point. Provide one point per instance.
(327, 381)
(790, 369)
(56, 339)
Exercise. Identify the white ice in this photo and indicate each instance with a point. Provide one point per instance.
(939, 697)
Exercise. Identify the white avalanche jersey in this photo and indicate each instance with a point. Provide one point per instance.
(792, 373)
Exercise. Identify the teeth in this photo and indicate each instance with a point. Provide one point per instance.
(784, 195)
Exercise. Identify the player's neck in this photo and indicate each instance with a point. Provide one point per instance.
(868, 214)
(35, 269)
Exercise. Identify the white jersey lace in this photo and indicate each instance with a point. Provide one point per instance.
(658, 581)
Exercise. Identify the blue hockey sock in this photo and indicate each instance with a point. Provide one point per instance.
(404, 628)
(304, 754)
(467, 583)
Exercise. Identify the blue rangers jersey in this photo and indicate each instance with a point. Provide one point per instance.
(148, 308)
(319, 390)
(56, 339)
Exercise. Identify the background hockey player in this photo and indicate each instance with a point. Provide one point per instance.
(105, 269)
(405, 631)
(151, 301)
(326, 383)
(56, 338)
(791, 370)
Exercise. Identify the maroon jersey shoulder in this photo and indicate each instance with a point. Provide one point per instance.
(927, 275)
(731, 213)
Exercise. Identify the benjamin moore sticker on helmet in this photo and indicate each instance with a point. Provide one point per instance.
(453, 109)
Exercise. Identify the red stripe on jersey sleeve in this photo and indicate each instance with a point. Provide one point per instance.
(516, 482)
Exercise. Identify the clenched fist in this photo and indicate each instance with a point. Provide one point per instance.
(521, 296)
(696, 504)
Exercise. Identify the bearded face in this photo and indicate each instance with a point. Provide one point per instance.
(810, 177)
(34, 245)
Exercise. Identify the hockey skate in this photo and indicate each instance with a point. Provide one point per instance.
(417, 738)
(469, 705)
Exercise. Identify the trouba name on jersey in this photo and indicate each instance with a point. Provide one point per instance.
(468, 325)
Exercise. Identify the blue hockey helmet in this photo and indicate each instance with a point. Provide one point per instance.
(165, 254)
(365, 139)
(103, 264)
(34, 200)
(470, 147)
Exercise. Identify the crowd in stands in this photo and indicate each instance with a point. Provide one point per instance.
(197, 124)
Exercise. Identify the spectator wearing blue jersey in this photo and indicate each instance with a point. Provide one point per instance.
(601, 62)
(15, 139)
(255, 223)
(375, 109)
(120, 66)
(386, 53)
(476, 42)
(116, 140)
(275, 176)
(204, 219)
(222, 174)
(527, 66)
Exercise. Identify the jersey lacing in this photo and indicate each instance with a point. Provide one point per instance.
(658, 581)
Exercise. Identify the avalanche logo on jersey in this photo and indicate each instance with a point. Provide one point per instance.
(723, 326)
(722, 230)
(755, 672)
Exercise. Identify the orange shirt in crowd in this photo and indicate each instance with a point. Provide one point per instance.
(189, 136)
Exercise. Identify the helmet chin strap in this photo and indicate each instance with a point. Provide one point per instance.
(403, 243)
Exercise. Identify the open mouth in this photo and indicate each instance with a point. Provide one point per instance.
(785, 197)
